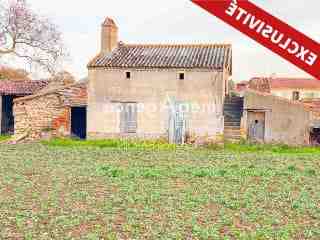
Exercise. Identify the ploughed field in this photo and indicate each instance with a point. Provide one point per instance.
(87, 191)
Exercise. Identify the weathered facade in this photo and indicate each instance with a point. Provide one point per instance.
(50, 113)
(154, 79)
(272, 119)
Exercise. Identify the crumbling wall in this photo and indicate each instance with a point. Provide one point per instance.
(42, 116)
(48, 114)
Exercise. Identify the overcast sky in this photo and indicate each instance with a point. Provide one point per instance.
(174, 21)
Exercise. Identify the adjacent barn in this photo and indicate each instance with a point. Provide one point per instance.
(56, 112)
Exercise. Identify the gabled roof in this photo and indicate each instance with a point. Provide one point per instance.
(202, 56)
(21, 87)
(268, 84)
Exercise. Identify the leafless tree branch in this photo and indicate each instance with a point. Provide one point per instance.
(27, 35)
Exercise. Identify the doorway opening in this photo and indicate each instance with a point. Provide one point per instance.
(79, 122)
(256, 125)
(315, 137)
(7, 118)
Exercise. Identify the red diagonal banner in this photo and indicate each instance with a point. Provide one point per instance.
(267, 30)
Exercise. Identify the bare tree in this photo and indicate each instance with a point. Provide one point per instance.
(29, 36)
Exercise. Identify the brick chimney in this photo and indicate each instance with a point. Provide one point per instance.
(109, 36)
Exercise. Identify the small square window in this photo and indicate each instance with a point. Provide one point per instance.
(128, 75)
(181, 76)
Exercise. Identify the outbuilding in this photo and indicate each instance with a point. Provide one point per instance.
(56, 112)
(272, 119)
(10, 90)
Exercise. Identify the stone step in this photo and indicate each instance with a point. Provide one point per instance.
(234, 102)
(231, 121)
(233, 114)
(234, 99)
(233, 128)
(233, 138)
(232, 124)
(235, 111)
(232, 118)
(232, 133)
(233, 105)
(228, 135)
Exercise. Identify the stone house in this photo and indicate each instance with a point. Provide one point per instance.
(271, 119)
(157, 90)
(10, 90)
(52, 112)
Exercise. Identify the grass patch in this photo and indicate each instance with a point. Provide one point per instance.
(271, 148)
(111, 143)
(161, 145)
(4, 138)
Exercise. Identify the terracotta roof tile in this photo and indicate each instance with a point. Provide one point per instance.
(285, 83)
(208, 56)
(21, 87)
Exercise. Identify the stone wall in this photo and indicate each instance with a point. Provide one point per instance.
(153, 90)
(48, 114)
(42, 117)
(286, 121)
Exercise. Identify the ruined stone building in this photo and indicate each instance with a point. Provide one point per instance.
(53, 112)
(147, 90)
(10, 90)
